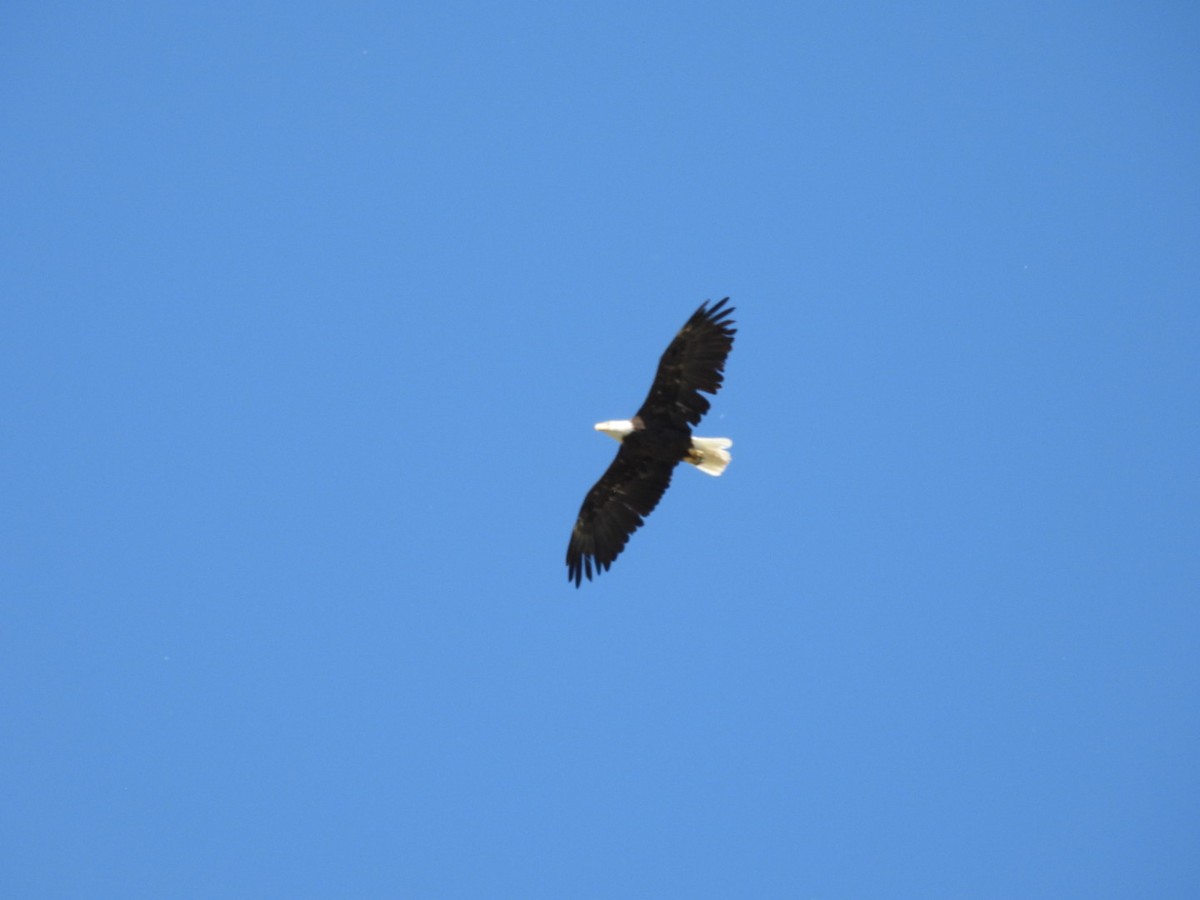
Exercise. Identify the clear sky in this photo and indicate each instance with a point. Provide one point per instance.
(308, 311)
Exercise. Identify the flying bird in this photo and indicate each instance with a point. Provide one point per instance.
(654, 441)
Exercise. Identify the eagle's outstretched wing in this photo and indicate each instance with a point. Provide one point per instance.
(694, 362)
(613, 510)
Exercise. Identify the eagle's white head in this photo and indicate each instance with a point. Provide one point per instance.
(617, 429)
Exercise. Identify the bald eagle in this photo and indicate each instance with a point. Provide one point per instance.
(654, 441)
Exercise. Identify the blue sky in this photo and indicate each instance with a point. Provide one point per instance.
(309, 310)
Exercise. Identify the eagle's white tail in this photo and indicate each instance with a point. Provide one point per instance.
(709, 454)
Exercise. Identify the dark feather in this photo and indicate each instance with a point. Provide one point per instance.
(694, 362)
(613, 510)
